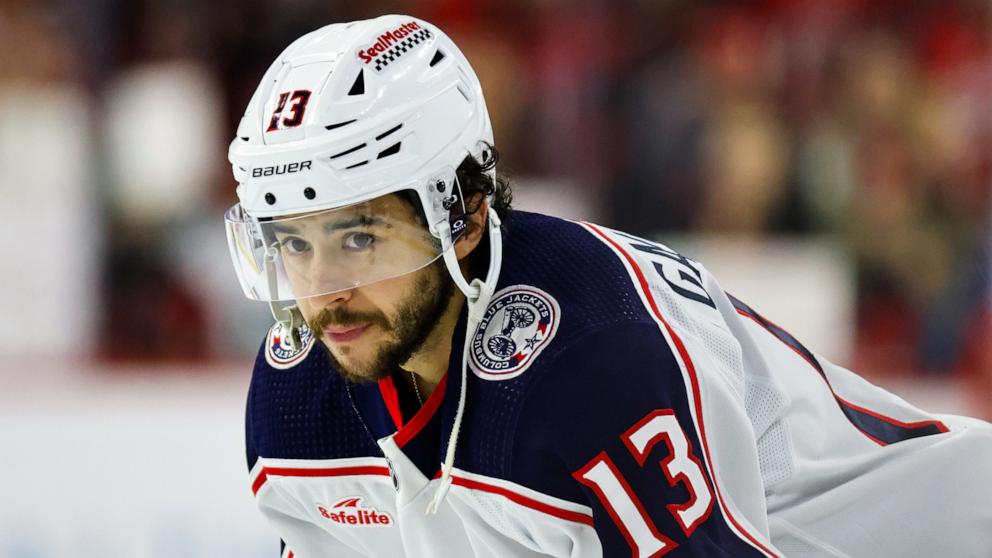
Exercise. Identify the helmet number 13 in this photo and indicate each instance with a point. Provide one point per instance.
(297, 101)
(602, 476)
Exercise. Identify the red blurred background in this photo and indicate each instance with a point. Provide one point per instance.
(866, 122)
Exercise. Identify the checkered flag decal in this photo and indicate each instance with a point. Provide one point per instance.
(400, 48)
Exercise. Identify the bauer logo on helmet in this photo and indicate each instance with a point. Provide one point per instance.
(280, 169)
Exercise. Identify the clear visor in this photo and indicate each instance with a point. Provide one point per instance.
(328, 251)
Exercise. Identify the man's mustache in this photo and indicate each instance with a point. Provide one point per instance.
(344, 317)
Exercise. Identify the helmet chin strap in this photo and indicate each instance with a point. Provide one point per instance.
(477, 295)
(477, 290)
(289, 317)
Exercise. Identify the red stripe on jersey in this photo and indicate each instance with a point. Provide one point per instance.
(423, 416)
(320, 472)
(525, 501)
(894, 421)
(391, 397)
(691, 369)
(259, 481)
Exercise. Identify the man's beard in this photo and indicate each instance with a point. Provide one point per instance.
(404, 335)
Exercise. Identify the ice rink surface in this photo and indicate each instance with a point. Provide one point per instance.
(148, 462)
(130, 462)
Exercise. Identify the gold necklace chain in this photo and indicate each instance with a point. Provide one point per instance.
(416, 389)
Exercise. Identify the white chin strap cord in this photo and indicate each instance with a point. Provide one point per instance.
(477, 295)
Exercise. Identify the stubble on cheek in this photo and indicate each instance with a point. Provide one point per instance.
(396, 339)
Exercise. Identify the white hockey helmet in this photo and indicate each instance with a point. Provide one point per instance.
(346, 115)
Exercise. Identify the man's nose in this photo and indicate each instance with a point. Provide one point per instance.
(327, 275)
(332, 299)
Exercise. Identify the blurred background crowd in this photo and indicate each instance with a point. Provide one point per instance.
(868, 122)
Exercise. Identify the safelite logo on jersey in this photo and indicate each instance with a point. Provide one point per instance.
(349, 512)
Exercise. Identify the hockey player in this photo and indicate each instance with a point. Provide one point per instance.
(451, 378)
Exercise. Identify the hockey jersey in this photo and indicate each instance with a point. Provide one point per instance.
(618, 403)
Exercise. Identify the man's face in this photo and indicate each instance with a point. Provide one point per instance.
(369, 330)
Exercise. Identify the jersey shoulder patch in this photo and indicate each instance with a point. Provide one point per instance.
(278, 352)
(518, 324)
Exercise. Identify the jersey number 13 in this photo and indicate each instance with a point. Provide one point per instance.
(603, 477)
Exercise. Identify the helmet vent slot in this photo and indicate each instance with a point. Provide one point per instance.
(339, 124)
(438, 56)
(391, 150)
(461, 89)
(356, 165)
(358, 88)
(245, 138)
(389, 131)
(347, 151)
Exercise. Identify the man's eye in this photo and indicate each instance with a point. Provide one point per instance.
(359, 241)
(295, 245)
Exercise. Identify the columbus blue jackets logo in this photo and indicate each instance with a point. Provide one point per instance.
(278, 352)
(519, 322)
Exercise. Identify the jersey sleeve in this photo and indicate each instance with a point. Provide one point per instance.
(615, 424)
(876, 445)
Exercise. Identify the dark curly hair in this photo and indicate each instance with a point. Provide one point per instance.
(476, 184)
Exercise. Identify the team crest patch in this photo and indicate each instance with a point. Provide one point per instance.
(519, 322)
(393, 44)
(277, 351)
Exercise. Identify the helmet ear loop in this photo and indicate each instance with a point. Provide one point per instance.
(458, 220)
(457, 213)
(289, 317)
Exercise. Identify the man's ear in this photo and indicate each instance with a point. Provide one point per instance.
(475, 226)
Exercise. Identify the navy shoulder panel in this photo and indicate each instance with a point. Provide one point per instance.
(593, 392)
(564, 259)
(560, 288)
(302, 411)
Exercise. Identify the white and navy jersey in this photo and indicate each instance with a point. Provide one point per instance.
(619, 403)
